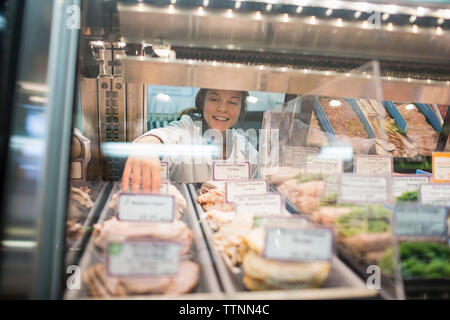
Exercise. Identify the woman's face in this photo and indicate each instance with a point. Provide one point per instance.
(222, 108)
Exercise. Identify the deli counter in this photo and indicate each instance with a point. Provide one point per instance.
(345, 195)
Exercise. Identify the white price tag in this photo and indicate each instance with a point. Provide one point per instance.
(302, 244)
(296, 156)
(364, 189)
(316, 165)
(164, 188)
(437, 194)
(441, 166)
(136, 258)
(237, 188)
(407, 184)
(264, 204)
(420, 220)
(373, 165)
(164, 171)
(146, 207)
(231, 171)
(76, 170)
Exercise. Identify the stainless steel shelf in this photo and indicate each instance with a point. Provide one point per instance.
(233, 29)
(234, 76)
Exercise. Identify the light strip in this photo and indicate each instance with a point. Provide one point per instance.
(19, 244)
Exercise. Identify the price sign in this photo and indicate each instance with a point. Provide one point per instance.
(407, 183)
(437, 194)
(263, 204)
(136, 258)
(164, 171)
(146, 207)
(364, 189)
(231, 171)
(441, 166)
(316, 165)
(237, 188)
(296, 156)
(373, 165)
(420, 220)
(299, 245)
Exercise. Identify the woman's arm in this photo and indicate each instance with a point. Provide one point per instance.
(143, 169)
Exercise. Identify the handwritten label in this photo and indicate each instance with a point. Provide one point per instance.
(435, 194)
(363, 189)
(316, 165)
(236, 188)
(420, 220)
(136, 258)
(76, 170)
(296, 156)
(146, 207)
(407, 184)
(373, 165)
(264, 204)
(441, 166)
(231, 171)
(301, 245)
(164, 171)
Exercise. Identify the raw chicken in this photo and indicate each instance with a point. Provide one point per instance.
(115, 230)
(82, 197)
(100, 284)
(214, 199)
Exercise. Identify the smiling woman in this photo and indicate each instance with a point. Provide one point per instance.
(215, 113)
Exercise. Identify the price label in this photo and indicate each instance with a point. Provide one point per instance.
(420, 220)
(373, 165)
(316, 165)
(300, 245)
(435, 194)
(441, 166)
(164, 171)
(293, 221)
(76, 170)
(231, 171)
(407, 184)
(136, 258)
(237, 188)
(264, 204)
(146, 207)
(364, 189)
(296, 156)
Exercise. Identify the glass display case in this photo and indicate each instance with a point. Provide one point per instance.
(346, 118)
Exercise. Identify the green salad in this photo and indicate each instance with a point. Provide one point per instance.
(369, 218)
(408, 196)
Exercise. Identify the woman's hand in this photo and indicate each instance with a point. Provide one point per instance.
(145, 170)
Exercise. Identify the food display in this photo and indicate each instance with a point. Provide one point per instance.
(192, 266)
(240, 242)
(419, 131)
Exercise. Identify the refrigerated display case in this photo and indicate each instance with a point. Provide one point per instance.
(327, 73)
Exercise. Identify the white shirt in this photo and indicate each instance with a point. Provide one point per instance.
(192, 166)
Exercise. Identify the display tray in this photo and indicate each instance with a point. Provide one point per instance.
(208, 286)
(99, 194)
(342, 283)
(427, 288)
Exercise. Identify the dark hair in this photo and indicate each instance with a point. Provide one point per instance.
(200, 102)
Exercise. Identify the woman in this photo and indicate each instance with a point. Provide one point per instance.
(214, 113)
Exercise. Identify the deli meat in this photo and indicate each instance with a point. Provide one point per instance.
(214, 200)
(419, 131)
(116, 230)
(100, 284)
(343, 119)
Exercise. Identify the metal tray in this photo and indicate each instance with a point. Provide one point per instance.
(208, 286)
(100, 190)
(342, 283)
